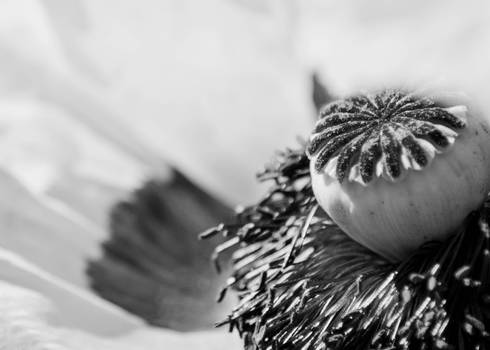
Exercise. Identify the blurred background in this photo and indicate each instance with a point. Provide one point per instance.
(99, 97)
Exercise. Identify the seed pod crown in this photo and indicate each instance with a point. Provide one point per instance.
(367, 136)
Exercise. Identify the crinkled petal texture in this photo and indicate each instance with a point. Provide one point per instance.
(67, 153)
(32, 321)
(50, 229)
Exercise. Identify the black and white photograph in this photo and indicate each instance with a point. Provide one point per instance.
(244, 175)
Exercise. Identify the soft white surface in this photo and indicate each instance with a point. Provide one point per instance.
(361, 44)
(211, 87)
(26, 323)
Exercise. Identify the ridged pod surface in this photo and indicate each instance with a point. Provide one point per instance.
(395, 169)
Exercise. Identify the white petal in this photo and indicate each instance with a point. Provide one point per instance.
(74, 307)
(30, 321)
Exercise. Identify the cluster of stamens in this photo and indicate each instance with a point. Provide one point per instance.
(385, 133)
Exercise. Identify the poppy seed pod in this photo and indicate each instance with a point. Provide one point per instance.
(395, 170)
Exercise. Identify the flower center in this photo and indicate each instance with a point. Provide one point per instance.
(367, 135)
